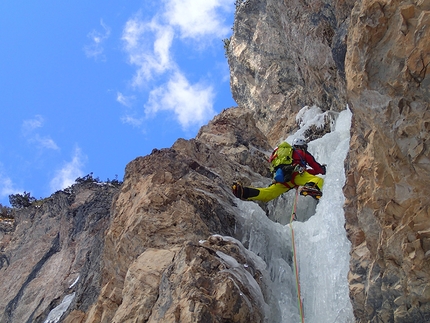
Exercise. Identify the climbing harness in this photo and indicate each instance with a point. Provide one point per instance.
(296, 269)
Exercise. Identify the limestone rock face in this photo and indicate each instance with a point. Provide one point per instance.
(388, 214)
(192, 283)
(52, 250)
(284, 55)
(234, 133)
(169, 201)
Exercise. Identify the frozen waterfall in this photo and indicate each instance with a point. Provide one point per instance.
(322, 247)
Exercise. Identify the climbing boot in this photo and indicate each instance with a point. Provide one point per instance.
(311, 189)
(237, 190)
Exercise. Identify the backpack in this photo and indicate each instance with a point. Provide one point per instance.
(280, 162)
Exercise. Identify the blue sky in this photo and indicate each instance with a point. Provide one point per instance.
(87, 86)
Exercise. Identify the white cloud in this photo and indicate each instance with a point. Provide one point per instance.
(7, 187)
(96, 49)
(147, 45)
(28, 129)
(30, 125)
(124, 100)
(192, 104)
(198, 19)
(44, 142)
(128, 118)
(67, 175)
(135, 122)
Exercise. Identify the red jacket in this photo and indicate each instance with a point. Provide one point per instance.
(303, 158)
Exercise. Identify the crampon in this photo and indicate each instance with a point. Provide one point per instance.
(311, 191)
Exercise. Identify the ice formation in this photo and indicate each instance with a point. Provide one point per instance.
(322, 248)
(55, 315)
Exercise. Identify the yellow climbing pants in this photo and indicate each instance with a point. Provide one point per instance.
(267, 194)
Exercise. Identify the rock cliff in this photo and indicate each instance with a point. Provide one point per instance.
(288, 54)
(53, 249)
(156, 249)
(387, 211)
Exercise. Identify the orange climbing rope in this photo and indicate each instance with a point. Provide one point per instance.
(296, 267)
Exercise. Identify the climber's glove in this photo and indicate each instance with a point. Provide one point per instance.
(324, 168)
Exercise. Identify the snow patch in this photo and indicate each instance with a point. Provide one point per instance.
(74, 283)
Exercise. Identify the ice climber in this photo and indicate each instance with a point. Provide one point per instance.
(291, 166)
